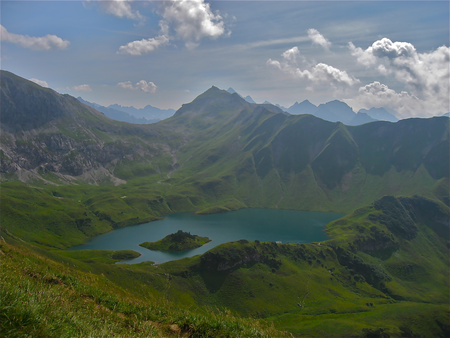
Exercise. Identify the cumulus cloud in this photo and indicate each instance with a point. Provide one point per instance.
(318, 38)
(121, 9)
(47, 42)
(377, 94)
(143, 46)
(291, 55)
(320, 73)
(40, 82)
(192, 20)
(147, 87)
(83, 88)
(425, 75)
(188, 20)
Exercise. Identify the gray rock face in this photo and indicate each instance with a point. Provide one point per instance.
(46, 132)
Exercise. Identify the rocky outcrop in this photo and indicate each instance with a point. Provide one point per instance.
(45, 132)
(228, 258)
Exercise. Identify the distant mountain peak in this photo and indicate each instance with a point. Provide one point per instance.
(379, 114)
(248, 98)
(305, 107)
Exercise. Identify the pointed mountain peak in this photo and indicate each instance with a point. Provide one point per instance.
(231, 90)
(304, 107)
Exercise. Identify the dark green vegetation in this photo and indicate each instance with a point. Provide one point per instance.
(179, 241)
(69, 173)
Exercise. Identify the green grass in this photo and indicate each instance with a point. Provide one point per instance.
(403, 319)
(41, 297)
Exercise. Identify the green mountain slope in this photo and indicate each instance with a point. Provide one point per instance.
(53, 137)
(267, 159)
(217, 153)
(69, 173)
(384, 272)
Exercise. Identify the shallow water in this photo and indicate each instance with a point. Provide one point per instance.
(251, 224)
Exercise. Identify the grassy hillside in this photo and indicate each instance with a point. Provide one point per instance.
(51, 296)
(74, 174)
(385, 271)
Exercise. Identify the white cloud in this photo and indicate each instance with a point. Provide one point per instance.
(40, 82)
(318, 38)
(326, 73)
(143, 46)
(320, 73)
(147, 87)
(35, 43)
(125, 85)
(291, 55)
(425, 75)
(83, 88)
(192, 20)
(189, 20)
(121, 9)
(377, 94)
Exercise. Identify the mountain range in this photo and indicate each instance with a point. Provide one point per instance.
(69, 173)
(339, 111)
(334, 111)
(148, 114)
(228, 147)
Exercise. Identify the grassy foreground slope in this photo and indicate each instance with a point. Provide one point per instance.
(44, 295)
(384, 272)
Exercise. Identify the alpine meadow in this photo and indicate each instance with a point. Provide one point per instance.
(142, 196)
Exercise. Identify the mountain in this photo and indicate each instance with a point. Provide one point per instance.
(149, 112)
(360, 118)
(117, 114)
(247, 98)
(335, 111)
(379, 114)
(69, 173)
(222, 147)
(46, 134)
(305, 107)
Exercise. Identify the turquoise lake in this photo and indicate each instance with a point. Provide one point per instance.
(288, 226)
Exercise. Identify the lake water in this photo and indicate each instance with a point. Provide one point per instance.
(251, 224)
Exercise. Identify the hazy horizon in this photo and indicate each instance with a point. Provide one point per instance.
(165, 53)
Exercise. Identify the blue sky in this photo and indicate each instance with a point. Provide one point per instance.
(165, 53)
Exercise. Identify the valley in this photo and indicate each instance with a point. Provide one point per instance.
(69, 174)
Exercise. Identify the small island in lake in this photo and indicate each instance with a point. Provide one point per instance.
(179, 241)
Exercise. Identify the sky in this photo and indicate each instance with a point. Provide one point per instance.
(392, 54)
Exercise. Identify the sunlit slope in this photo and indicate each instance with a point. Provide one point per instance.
(224, 151)
(265, 158)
